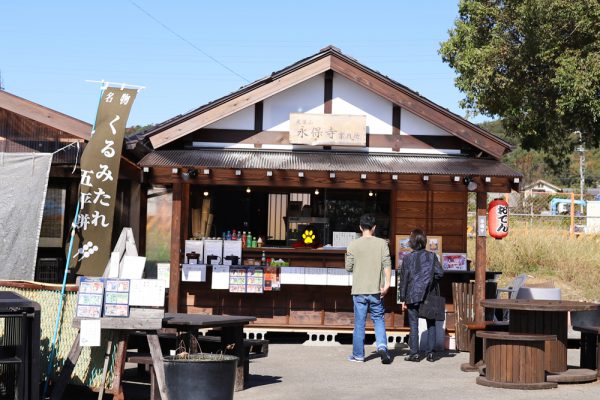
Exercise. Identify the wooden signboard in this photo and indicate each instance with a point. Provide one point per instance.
(328, 129)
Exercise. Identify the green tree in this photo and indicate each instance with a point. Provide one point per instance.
(535, 64)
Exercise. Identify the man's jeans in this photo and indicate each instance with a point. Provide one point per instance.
(362, 304)
(413, 337)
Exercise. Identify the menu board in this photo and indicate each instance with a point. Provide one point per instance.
(254, 280)
(434, 244)
(116, 298)
(237, 280)
(89, 298)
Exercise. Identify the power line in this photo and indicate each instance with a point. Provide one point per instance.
(187, 41)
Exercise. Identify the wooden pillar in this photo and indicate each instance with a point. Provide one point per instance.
(175, 248)
(480, 257)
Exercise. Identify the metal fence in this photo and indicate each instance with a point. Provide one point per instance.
(564, 212)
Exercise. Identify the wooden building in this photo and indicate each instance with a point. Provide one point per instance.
(408, 160)
(29, 127)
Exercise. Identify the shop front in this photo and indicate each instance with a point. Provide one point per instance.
(269, 183)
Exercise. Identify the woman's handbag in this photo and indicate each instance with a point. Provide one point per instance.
(434, 305)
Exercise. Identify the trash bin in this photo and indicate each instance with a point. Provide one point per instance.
(19, 347)
(200, 376)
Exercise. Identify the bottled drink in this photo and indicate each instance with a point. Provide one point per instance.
(263, 259)
(234, 235)
(228, 235)
(244, 237)
(259, 242)
(249, 239)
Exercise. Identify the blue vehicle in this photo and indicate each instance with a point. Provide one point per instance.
(563, 206)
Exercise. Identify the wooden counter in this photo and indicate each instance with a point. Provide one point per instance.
(302, 306)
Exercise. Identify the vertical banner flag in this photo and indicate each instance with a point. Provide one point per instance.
(98, 186)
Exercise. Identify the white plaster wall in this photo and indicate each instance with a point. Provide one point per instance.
(243, 119)
(353, 99)
(306, 97)
(411, 124)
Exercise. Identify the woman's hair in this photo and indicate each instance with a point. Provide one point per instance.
(417, 240)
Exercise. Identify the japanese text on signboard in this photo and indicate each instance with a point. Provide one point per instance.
(327, 129)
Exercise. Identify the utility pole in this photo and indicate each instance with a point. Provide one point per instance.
(1, 82)
(581, 150)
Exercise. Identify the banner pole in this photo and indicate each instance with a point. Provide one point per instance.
(60, 302)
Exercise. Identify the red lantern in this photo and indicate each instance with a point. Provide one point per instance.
(498, 219)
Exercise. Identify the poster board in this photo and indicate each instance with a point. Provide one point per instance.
(90, 297)
(454, 261)
(434, 244)
(116, 298)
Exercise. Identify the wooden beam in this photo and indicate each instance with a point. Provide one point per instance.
(411, 102)
(282, 137)
(173, 303)
(480, 258)
(282, 179)
(396, 115)
(328, 95)
(235, 104)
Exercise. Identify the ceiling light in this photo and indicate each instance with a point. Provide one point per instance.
(205, 194)
(363, 176)
(269, 173)
(394, 177)
(238, 172)
(488, 179)
(332, 175)
(456, 179)
(370, 193)
(425, 178)
(316, 192)
(206, 172)
(248, 190)
(301, 174)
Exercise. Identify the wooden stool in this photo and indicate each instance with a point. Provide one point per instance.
(476, 344)
(514, 360)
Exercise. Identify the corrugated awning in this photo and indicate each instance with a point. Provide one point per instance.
(328, 161)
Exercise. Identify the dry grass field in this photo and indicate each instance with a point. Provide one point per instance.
(548, 254)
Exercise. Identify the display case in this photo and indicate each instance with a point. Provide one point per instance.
(296, 226)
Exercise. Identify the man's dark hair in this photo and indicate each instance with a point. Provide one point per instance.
(417, 240)
(367, 221)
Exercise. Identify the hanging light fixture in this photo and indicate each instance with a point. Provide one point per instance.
(370, 193)
(205, 194)
(316, 191)
(248, 190)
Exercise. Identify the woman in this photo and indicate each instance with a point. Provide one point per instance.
(419, 268)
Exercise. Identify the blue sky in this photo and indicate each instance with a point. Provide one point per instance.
(49, 48)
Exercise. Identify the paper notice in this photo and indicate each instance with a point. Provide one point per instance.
(89, 334)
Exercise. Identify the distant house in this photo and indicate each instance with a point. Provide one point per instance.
(540, 186)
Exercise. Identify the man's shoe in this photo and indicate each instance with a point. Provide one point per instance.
(430, 357)
(352, 358)
(385, 356)
(412, 357)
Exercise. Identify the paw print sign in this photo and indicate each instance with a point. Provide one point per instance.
(308, 236)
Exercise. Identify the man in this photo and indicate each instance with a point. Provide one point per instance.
(368, 258)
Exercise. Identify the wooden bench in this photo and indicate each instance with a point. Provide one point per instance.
(590, 347)
(514, 360)
(475, 343)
